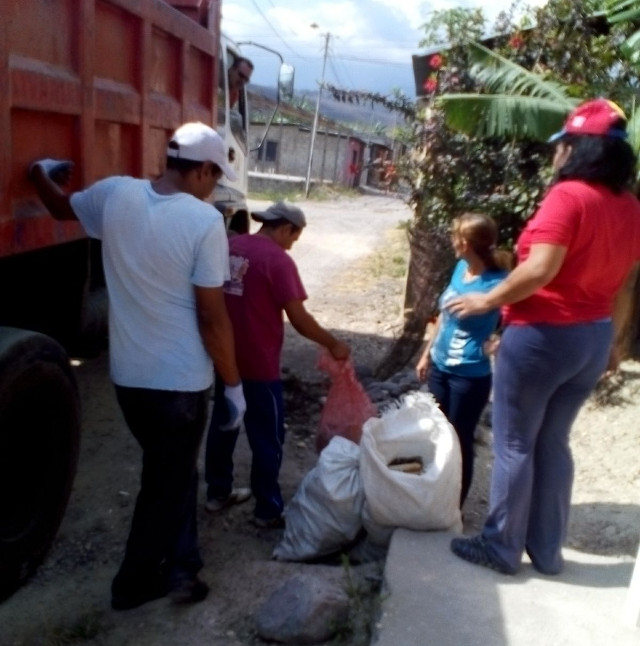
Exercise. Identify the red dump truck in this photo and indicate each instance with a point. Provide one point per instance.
(103, 83)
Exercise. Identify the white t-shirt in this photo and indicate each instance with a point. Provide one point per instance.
(155, 248)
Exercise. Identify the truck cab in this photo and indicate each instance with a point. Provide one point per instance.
(233, 125)
(230, 198)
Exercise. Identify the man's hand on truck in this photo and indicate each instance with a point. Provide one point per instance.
(48, 177)
(58, 170)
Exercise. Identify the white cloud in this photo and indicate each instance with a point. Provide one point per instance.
(378, 31)
(413, 11)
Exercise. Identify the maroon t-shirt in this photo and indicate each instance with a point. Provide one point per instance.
(264, 278)
(601, 231)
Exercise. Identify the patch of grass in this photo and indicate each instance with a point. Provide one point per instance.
(276, 196)
(85, 627)
(398, 266)
(391, 259)
(388, 264)
(325, 192)
(365, 602)
(612, 390)
(321, 193)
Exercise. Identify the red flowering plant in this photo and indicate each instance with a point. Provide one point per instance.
(516, 41)
(435, 64)
(431, 84)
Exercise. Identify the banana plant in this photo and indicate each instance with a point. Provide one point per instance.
(629, 11)
(521, 104)
(516, 103)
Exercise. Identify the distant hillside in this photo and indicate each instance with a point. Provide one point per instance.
(366, 116)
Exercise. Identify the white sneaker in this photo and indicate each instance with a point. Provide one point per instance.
(236, 497)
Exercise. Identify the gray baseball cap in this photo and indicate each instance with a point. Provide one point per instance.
(281, 211)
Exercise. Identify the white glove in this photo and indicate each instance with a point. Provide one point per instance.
(236, 405)
(53, 168)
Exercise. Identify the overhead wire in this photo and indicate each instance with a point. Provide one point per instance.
(330, 60)
(373, 61)
(334, 60)
(274, 30)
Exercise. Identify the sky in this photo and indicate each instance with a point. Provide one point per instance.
(370, 42)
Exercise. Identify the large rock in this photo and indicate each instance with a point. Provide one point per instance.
(305, 609)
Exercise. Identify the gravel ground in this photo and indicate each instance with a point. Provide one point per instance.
(354, 273)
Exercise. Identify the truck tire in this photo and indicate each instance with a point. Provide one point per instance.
(39, 442)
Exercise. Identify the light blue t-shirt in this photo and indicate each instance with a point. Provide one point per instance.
(155, 248)
(458, 346)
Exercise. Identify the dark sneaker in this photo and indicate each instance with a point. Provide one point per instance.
(269, 523)
(138, 595)
(236, 497)
(189, 591)
(556, 568)
(476, 551)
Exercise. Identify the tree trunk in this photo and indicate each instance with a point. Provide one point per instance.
(626, 316)
(430, 265)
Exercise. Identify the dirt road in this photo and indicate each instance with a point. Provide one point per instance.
(338, 257)
(68, 601)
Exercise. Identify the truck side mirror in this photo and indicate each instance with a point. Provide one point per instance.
(285, 82)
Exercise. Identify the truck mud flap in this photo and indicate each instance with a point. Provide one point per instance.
(39, 442)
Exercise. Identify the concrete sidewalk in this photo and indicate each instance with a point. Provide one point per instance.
(432, 597)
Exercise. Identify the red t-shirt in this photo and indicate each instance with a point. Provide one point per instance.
(601, 231)
(264, 278)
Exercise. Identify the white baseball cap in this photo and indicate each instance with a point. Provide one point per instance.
(198, 142)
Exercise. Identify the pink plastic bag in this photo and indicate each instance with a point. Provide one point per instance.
(347, 407)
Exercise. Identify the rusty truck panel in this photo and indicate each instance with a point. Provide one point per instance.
(101, 82)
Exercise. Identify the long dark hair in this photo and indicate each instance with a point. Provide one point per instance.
(480, 232)
(599, 160)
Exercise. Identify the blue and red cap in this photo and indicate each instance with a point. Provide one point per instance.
(595, 117)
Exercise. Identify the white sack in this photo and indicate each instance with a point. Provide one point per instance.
(324, 514)
(426, 501)
(377, 534)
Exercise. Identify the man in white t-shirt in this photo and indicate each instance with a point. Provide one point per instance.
(165, 257)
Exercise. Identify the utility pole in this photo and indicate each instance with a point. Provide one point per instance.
(315, 118)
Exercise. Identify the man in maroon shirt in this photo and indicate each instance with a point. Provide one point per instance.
(264, 283)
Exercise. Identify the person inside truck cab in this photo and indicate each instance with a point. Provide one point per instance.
(166, 258)
(239, 75)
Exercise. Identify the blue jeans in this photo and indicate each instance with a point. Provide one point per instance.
(169, 426)
(264, 424)
(543, 375)
(462, 400)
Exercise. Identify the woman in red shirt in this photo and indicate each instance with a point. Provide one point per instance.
(573, 257)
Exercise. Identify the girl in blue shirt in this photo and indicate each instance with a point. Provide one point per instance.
(455, 362)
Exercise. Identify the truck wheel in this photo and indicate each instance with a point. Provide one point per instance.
(39, 441)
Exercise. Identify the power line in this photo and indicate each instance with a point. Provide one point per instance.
(332, 65)
(358, 59)
(327, 37)
(397, 45)
(373, 61)
(335, 72)
(333, 60)
(293, 33)
(275, 31)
